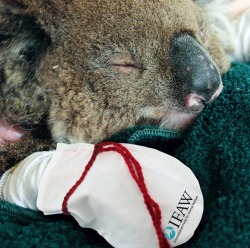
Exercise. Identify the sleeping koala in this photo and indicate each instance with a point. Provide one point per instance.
(88, 69)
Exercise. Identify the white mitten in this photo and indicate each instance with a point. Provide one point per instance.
(108, 192)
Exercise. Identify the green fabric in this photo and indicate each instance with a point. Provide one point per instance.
(216, 148)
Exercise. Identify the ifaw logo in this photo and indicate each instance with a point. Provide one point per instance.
(169, 232)
(183, 208)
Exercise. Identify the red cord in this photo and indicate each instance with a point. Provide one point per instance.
(136, 172)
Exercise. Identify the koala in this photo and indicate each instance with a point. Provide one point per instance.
(85, 70)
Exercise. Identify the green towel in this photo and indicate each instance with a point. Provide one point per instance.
(216, 148)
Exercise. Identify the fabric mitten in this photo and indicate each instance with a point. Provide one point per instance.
(131, 195)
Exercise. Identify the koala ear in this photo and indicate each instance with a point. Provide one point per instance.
(25, 44)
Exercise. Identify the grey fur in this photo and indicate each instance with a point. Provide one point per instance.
(89, 69)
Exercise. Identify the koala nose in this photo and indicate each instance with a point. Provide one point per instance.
(195, 70)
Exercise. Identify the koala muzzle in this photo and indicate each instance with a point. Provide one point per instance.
(195, 70)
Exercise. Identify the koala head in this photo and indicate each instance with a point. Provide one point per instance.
(111, 64)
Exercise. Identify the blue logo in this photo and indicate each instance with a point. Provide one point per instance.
(169, 232)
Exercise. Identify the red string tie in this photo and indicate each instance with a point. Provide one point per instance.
(136, 173)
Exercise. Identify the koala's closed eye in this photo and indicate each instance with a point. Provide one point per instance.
(125, 65)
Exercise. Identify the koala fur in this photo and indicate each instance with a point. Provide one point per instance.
(88, 69)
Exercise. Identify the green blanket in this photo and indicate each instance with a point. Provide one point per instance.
(216, 148)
